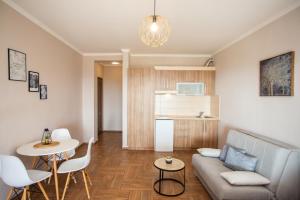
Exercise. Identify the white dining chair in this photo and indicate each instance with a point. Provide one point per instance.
(75, 165)
(15, 175)
(59, 135)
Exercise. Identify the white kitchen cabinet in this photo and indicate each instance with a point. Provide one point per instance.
(164, 131)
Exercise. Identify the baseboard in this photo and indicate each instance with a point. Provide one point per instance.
(141, 148)
(112, 131)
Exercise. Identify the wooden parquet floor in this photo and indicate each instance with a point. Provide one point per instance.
(126, 175)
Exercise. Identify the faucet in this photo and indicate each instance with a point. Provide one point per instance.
(200, 114)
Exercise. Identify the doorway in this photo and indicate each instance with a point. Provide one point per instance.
(100, 104)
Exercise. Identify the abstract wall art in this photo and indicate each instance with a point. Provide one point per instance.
(277, 75)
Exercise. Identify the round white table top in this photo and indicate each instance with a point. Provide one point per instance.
(64, 145)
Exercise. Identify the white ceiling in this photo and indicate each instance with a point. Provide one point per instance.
(198, 26)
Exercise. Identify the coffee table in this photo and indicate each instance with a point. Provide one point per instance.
(176, 166)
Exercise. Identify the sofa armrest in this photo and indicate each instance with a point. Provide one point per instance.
(289, 184)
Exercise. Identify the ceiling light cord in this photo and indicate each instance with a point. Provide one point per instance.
(154, 12)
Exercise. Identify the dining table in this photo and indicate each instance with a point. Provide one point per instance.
(34, 149)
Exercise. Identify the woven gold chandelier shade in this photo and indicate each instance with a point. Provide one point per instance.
(154, 30)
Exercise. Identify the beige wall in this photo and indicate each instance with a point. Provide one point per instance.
(23, 116)
(112, 98)
(237, 82)
(89, 94)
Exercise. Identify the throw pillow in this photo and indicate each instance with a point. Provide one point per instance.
(237, 160)
(225, 149)
(224, 152)
(244, 178)
(209, 152)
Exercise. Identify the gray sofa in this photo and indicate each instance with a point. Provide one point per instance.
(280, 163)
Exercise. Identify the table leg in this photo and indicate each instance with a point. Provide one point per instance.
(24, 194)
(55, 177)
(159, 180)
(28, 192)
(161, 176)
(66, 157)
(184, 178)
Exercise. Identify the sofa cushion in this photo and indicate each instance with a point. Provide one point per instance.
(244, 178)
(209, 169)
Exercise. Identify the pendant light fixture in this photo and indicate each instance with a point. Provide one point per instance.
(155, 29)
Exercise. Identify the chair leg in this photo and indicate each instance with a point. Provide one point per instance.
(49, 179)
(86, 185)
(28, 192)
(88, 177)
(24, 194)
(66, 186)
(9, 194)
(43, 190)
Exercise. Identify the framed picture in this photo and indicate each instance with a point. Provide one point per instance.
(16, 65)
(43, 92)
(277, 75)
(33, 81)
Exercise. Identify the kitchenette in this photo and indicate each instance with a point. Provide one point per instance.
(172, 109)
(185, 118)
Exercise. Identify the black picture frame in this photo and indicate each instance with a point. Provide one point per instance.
(43, 92)
(33, 81)
(18, 64)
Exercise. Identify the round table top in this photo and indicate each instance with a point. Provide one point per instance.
(176, 164)
(64, 145)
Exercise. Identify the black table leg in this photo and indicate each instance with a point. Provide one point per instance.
(184, 179)
(162, 179)
(160, 174)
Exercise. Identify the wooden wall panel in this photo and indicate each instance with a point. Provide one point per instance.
(140, 108)
(142, 82)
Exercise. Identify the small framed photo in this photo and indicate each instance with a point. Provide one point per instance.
(43, 92)
(33, 81)
(16, 65)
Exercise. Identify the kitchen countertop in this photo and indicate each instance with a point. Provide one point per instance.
(174, 117)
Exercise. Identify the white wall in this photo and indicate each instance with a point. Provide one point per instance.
(23, 116)
(237, 82)
(112, 98)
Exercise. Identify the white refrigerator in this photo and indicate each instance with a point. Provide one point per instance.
(164, 131)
